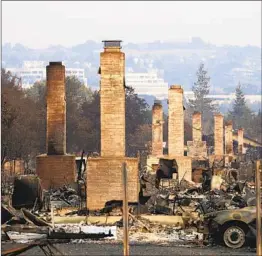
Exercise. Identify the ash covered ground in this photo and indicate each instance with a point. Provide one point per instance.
(116, 248)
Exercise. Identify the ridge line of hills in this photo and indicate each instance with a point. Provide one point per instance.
(175, 62)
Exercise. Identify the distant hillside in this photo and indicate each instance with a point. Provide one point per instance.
(175, 62)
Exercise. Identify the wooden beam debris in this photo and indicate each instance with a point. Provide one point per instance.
(258, 212)
(125, 211)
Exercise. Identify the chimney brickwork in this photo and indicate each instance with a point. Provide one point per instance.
(219, 135)
(55, 168)
(56, 109)
(229, 138)
(196, 148)
(240, 136)
(112, 102)
(104, 174)
(157, 129)
(175, 121)
(197, 127)
(176, 132)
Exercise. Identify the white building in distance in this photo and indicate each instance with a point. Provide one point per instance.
(147, 84)
(35, 71)
(224, 98)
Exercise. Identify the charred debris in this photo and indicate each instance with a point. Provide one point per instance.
(215, 195)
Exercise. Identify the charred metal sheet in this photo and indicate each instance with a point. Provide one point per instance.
(26, 190)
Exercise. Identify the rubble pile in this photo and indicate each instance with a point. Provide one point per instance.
(221, 189)
(143, 230)
(62, 197)
(187, 203)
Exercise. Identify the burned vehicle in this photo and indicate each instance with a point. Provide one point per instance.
(231, 227)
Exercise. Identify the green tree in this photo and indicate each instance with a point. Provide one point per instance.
(241, 115)
(201, 102)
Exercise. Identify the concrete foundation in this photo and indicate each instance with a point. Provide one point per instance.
(104, 180)
(107, 220)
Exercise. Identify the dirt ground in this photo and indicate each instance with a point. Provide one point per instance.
(113, 248)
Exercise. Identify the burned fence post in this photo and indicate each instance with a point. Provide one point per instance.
(125, 210)
(258, 206)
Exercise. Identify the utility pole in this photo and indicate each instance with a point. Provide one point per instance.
(258, 203)
(125, 211)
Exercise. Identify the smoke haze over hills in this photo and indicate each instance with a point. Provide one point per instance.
(176, 62)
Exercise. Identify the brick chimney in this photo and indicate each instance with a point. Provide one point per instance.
(157, 129)
(175, 121)
(219, 135)
(56, 109)
(112, 99)
(197, 127)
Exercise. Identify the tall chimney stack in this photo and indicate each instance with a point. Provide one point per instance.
(157, 129)
(112, 99)
(56, 109)
(56, 168)
(219, 135)
(175, 121)
(229, 138)
(240, 135)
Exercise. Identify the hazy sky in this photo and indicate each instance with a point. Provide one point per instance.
(40, 24)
